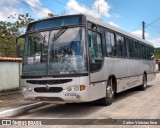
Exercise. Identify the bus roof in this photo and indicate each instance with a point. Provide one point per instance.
(106, 25)
(103, 24)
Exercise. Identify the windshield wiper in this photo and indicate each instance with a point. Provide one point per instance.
(59, 33)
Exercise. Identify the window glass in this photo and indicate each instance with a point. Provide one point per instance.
(151, 52)
(110, 44)
(147, 52)
(143, 52)
(95, 50)
(130, 48)
(35, 56)
(137, 49)
(99, 47)
(55, 22)
(67, 52)
(121, 46)
(114, 49)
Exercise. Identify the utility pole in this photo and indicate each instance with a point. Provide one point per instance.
(143, 30)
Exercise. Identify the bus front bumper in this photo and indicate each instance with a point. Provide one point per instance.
(61, 97)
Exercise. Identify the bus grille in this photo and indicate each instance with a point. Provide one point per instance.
(44, 82)
(48, 90)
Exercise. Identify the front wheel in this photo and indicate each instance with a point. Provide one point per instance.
(109, 95)
(144, 85)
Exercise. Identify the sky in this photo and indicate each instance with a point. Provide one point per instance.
(124, 14)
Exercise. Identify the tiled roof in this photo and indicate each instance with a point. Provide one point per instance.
(10, 59)
(157, 62)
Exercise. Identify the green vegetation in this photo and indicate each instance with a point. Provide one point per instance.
(157, 53)
(10, 31)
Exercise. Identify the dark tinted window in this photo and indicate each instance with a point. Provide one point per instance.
(121, 46)
(152, 52)
(147, 52)
(95, 50)
(139, 50)
(137, 46)
(143, 52)
(110, 43)
(130, 47)
(55, 22)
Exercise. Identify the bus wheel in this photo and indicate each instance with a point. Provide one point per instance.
(109, 95)
(144, 85)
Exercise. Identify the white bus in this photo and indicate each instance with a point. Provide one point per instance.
(78, 58)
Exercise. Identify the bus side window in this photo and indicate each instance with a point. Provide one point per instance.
(90, 44)
(130, 47)
(121, 46)
(114, 47)
(110, 43)
(95, 50)
(144, 53)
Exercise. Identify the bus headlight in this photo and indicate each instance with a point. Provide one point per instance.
(29, 89)
(69, 88)
(26, 89)
(75, 88)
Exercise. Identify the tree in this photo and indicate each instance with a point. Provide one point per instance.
(10, 31)
(157, 53)
(51, 15)
(20, 25)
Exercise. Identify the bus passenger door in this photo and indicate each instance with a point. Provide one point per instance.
(97, 70)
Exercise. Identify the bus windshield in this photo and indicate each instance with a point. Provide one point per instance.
(60, 51)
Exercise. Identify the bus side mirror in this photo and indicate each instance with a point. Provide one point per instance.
(152, 56)
(20, 46)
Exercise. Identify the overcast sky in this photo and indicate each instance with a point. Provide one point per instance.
(125, 14)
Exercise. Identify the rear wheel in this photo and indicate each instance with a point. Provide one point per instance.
(109, 95)
(144, 85)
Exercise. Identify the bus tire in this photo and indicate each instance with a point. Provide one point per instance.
(144, 85)
(106, 101)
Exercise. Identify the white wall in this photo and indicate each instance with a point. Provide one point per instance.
(9, 75)
(156, 67)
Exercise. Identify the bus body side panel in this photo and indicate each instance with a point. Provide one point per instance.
(149, 68)
(127, 71)
(98, 83)
(118, 68)
(129, 82)
(135, 67)
(129, 74)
